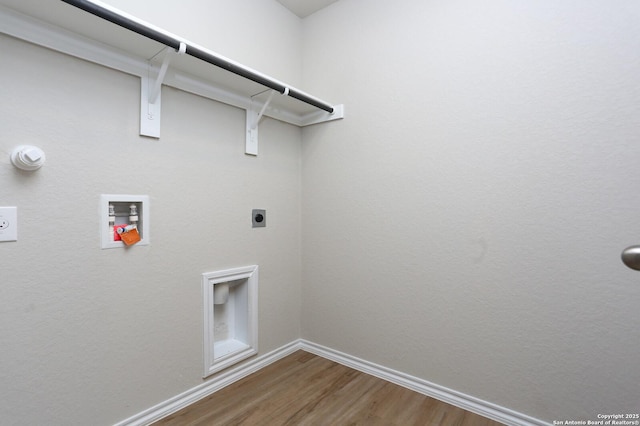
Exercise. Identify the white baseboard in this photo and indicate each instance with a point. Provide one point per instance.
(195, 394)
(466, 402)
(458, 399)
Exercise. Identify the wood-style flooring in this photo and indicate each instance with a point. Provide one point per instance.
(305, 389)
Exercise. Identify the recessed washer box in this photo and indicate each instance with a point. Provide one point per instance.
(122, 207)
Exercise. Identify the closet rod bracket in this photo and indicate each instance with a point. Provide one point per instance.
(261, 113)
(253, 121)
(169, 54)
(150, 90)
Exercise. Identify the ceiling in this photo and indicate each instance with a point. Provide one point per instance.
(304, 8)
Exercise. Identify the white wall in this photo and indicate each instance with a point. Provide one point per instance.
(93, 336)
(260, 34)
(464, 223)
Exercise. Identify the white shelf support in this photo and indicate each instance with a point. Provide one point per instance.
(150, 94)
(130, 53)
(253, 122)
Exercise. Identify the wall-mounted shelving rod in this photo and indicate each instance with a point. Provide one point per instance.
(196, 52)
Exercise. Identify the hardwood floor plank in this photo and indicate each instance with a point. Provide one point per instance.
(305, 389)
(297, 400)
(338, 401)
(394, 404)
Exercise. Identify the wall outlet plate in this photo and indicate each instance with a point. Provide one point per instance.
(8, 224)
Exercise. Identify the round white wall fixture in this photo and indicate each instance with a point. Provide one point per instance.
(27, 157)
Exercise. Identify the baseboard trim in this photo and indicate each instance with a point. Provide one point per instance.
(199, 392)
(458, 399)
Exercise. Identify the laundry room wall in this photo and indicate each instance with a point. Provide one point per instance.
(93, 336)
(463, 224)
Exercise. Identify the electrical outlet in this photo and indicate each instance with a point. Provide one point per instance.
(8, 224)
(258, 218)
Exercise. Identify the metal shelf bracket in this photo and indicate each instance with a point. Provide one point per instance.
(150, 94)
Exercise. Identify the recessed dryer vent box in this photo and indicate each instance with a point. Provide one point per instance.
(122, 205)
(230, 299)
